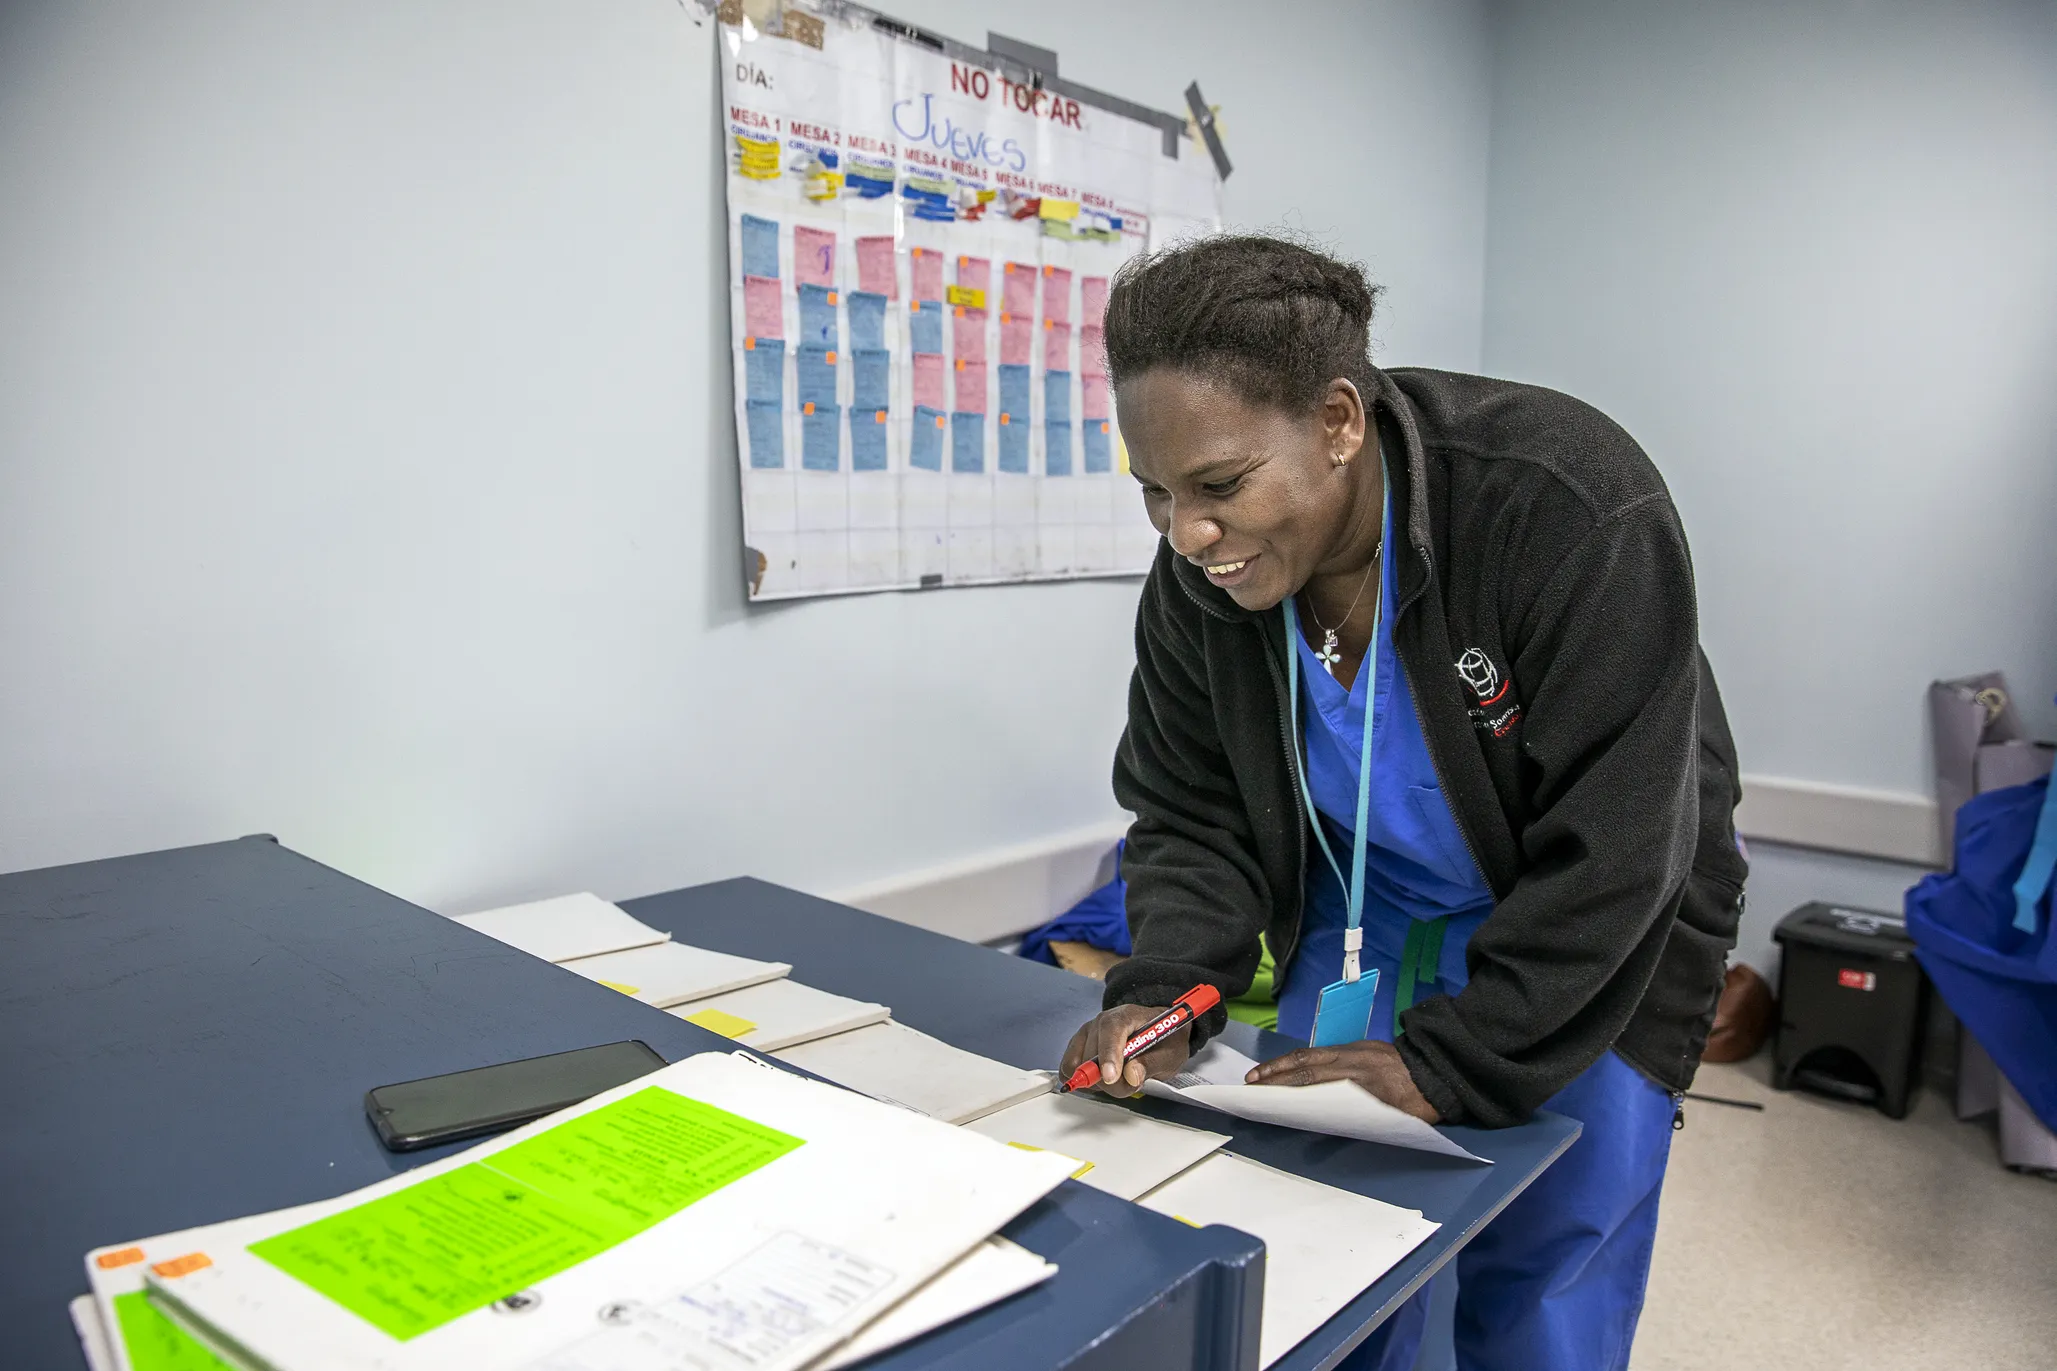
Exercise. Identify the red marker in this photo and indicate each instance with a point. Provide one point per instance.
(1190, 1006)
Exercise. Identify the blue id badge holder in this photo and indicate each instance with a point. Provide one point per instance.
(1342, 1013)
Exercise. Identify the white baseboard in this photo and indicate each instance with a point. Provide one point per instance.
(1895, 824)
(1000, 892)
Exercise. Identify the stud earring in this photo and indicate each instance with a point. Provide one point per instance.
(1339, 459)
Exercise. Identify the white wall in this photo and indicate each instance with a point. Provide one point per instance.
(1807, 253)
(366, 459)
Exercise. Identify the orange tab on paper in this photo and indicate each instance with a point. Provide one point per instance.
(128, 1256)
(183, 1266)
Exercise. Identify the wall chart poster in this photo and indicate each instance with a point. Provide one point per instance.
(919, 252)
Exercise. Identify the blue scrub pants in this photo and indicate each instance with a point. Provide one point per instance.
(1555, 1283)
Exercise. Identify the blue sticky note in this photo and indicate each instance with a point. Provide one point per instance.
(874, 371)
(1014, 391)
(764, 371)
(925, 327)
(967, 442)
(821, 439)
(867, 320)
(1057, 397)
(925, 448)
(867, 440)
(767, 434)
(817, 371)
(817, 316)
(1014, 445)
(760, 246)
(1057, 450)
(1099, 446)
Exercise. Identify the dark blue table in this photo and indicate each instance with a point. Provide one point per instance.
(1024, 1013)
(187, 1036)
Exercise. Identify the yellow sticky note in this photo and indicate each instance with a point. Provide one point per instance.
(969, 296)
(624, 989)
(1066, 210)
(720, 1021)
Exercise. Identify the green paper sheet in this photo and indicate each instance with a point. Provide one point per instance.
(154, 1342)
(418, 1258)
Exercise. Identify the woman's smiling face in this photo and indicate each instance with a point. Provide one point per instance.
(1250, 493)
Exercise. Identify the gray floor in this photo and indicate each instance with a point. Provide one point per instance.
(1824, 1235)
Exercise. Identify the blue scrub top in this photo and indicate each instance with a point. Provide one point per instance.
(1416, 863)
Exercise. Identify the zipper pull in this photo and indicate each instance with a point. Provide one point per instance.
(1678, 1111)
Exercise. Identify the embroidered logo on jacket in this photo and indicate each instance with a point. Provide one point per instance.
(1497, 711)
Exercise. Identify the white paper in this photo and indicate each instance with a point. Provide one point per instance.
(1213, 1079)
(667, 974)
(1322, 1246)
(767, 1272)
(989, 1273)
(85, 1319)
(569, 926)
(1130, 1153)
(785, 1013)
(894, 1063)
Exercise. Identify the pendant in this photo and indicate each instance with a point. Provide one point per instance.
(1327, 653)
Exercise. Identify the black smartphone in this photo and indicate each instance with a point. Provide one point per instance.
(486, 1099)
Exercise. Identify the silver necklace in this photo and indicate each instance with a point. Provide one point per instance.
(1329, 653)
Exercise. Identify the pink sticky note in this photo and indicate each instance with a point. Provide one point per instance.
(1018, 288)
(1092, 299)
(875, 266)
(976, 272)
(814, 257)
(1092, 350)
(763, 311)
(927, 266)
(1017, 338)
(928, 380)
(1057, 294)
(971, 387)
(1056, 346)
(968, 334)
(1094, 396)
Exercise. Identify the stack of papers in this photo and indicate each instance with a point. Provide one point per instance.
(780, 1014)
(566, 928)
(1213, 1079)
(716, 1213)
(1118, 1150)
(892, 1062)
(1322, 1246)
(665, 974)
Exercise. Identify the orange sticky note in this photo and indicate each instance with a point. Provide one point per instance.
(1006, 419)
(807, 408)
(960, 311)
(128, 1256)
(939, 421)
(916, 305)
(832, 297)
(963, 262)
(749, 345)
(1007, 270)
(879, 417)
(832, 355)
(1048, 269)
(183, 1266)
(960, 360)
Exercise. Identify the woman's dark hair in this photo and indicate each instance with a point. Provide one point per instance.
(1270, 319)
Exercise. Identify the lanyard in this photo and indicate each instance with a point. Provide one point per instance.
(1353, 936)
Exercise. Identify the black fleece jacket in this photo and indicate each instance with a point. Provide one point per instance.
(1546, 623)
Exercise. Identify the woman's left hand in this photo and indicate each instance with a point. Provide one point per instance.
(1374, 1065)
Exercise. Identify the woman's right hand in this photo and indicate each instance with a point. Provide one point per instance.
(1102, 1038)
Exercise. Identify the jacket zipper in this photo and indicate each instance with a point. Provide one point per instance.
(1281, 959)
(1428, 739)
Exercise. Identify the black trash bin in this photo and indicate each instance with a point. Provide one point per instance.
(1850, 997)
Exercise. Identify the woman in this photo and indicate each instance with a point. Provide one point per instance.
(1453, 619)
